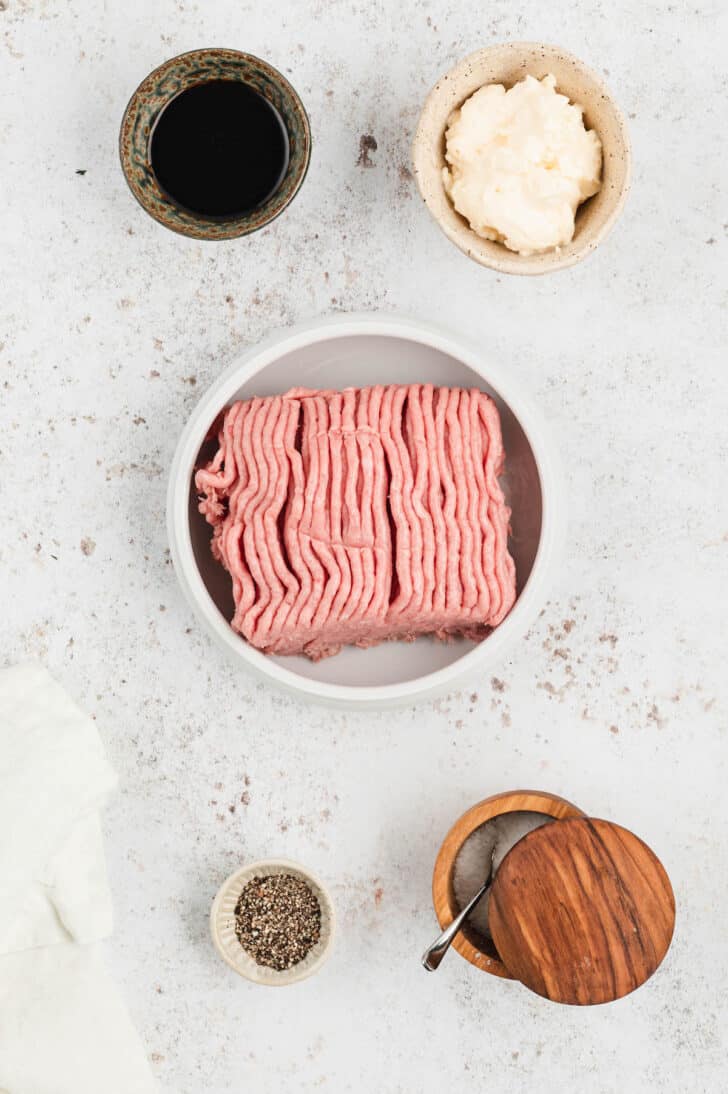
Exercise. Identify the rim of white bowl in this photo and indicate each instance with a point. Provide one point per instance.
(219, 395)
(226, 942)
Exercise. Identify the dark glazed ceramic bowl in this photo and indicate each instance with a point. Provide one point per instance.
(160, 87)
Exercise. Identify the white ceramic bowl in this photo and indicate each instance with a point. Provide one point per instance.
(361, 350)
(222, 925)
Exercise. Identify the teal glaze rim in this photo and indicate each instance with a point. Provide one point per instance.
(160, 87)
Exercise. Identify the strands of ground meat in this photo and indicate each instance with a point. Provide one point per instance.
(359, 516)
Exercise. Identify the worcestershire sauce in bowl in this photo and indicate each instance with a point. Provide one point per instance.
(219, 149)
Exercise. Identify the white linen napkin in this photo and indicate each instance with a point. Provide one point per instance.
(63, 1026)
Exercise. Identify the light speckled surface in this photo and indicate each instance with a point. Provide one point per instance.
(110, 329)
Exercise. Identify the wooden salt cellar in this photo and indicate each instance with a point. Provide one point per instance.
(581, 911)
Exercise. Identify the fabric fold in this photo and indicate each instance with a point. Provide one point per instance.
(63, 1026)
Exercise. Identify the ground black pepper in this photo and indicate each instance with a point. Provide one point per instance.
(278, 920)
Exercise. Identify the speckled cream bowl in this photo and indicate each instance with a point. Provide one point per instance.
(507, 64)
(222, 925)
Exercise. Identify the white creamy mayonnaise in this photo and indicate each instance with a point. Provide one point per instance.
(520, 163)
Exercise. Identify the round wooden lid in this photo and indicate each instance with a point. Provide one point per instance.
(581, 911)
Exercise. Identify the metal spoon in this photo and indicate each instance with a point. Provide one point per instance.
(434, 954)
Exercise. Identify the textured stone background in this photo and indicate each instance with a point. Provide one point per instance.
(111, 327)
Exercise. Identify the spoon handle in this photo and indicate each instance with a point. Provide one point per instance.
(434, 954)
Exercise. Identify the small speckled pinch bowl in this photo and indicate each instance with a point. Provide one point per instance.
(222, 925)
(156, 92)
(507, 64)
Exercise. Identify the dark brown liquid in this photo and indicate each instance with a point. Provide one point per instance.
(219, 149)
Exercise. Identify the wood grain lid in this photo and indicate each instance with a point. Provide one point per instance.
(582, 911)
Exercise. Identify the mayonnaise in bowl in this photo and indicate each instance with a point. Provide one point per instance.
(520, 162)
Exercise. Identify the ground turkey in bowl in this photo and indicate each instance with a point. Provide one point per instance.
(359, 516)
